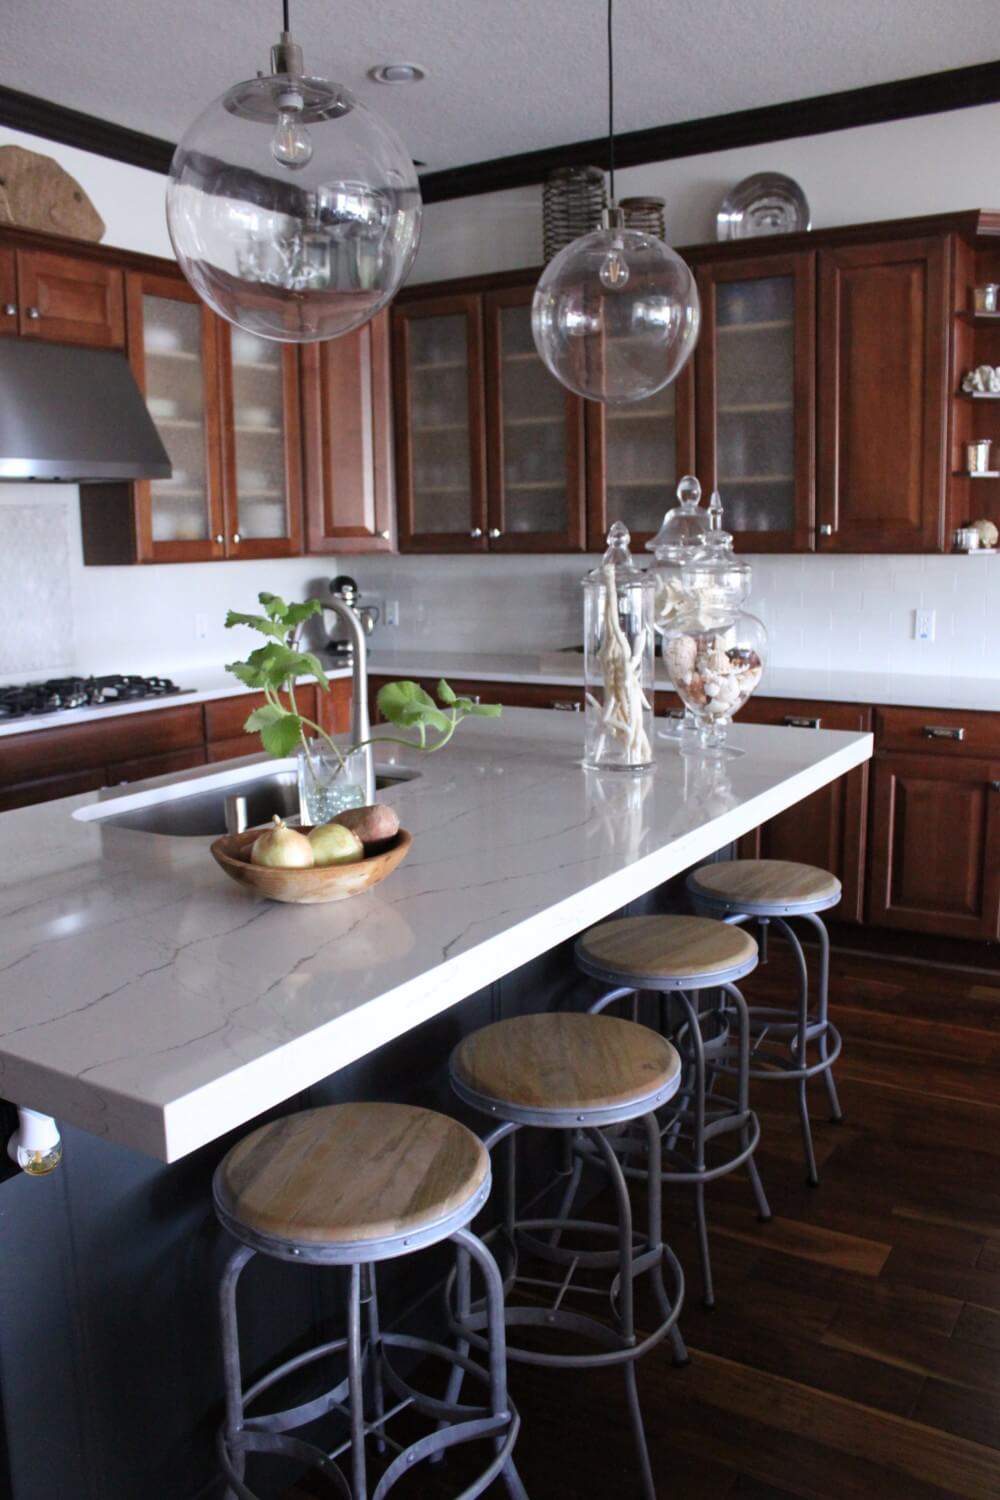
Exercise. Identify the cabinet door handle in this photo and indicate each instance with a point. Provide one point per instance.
(476, 533)
(10, 309)
(801, 721)
(942, 732)
(995, 786)
(826, 529)
(495, 532)
(219, 539)
(237, 538)
(385, 535)
(33, 312)
(565, 706)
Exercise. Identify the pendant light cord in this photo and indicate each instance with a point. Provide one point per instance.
(611, 104)
(284, 4)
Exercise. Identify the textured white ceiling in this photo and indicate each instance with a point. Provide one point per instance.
(504, 76)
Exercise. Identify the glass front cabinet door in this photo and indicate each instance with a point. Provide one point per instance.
(440, 433)
(535, 438)
(756, 397)
(263, 469)
(635, 456)
(174, 352)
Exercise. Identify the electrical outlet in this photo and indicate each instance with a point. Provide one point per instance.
(924, 621)
(391, 613)
(201, 627)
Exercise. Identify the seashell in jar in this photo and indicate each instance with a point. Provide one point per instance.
(985, 374)
(679, 655)
(696, 689)
(971, 382)
(988, 533)
(994, 380)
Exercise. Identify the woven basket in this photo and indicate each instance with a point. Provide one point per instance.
(646, 215)
(572, 201)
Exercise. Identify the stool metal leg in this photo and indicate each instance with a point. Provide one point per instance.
(743, 1098)
(823, 1042)
(355, 1372)
(654, 1231)
(698, 1093)
(800, 1050)
(369, 1294)
(231, 1374)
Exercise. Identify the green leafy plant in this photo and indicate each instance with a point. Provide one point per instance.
(275, 668)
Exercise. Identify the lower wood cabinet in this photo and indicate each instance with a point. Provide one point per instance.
(935, 863)
(829, 828)
(42, 765)
(510, 694)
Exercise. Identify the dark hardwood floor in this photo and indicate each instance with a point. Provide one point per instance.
(854, 1351)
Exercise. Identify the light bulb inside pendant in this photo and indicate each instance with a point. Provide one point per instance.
(614, 271)
(291, 144)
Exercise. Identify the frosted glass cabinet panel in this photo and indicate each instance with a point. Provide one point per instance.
(263, 479)
(535, 436)
(173, 343)
(441, 460)
(756, 410)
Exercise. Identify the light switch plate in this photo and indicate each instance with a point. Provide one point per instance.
(924, 621)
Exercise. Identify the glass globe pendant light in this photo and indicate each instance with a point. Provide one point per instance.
(615, 314)
(293, 209)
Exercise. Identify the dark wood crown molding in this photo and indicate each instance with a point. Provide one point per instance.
(933, 93)
(54, 122)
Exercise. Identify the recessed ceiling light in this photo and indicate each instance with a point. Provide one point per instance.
(397, 73)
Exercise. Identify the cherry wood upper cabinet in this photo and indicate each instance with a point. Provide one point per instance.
(635, 456)
(883, 402)
(8, 292)
(347, 414)
(756, 405)
(440, 426)
(70, 300)
(262, 445)
(535, 438)
(174, 350)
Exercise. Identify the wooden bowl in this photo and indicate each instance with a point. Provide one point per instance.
(325, 883)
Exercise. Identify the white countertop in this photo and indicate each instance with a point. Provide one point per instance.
(196, 687)
(562, 669)
(152, 1001)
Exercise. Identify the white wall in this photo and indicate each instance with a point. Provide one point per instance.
(931, 164)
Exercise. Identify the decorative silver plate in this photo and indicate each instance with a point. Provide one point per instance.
(767, 203)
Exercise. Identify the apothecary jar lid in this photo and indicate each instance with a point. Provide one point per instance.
(619, 559)
(684, 526)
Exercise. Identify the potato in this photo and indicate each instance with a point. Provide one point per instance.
(373, 825)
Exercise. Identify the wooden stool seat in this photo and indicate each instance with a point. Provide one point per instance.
(565, 1063)
(665, 952)
(754, 885)
(351, 1173)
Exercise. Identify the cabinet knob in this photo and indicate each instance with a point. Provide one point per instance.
(826, 529)
(495, 532)
(385, 535)
(476, 533)
(10, 309)
(237, 538)
(219, 539)
(33, 312)
(995, 786)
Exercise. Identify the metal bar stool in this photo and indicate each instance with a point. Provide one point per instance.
(576, 1074)
(775, 891)
(351, 1185)
(678, 956)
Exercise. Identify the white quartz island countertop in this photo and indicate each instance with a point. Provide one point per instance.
(149, 999)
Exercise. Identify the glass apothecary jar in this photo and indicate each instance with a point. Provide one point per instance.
(681, 535)
(715, 659)
(618, 640)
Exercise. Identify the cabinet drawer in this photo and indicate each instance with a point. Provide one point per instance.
(806, 713)
(26, 757)
(49, 788)
(141, 767)
(335, 707)
(937, 731)
(225, 717)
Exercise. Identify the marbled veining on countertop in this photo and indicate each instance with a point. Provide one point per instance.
(154, 1002)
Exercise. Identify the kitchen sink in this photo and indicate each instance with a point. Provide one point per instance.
(192, 809)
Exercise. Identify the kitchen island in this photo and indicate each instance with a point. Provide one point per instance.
(156, 1008)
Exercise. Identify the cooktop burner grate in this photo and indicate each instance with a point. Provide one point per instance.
(59, 693)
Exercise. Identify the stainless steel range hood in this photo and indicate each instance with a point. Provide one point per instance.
(73, 414)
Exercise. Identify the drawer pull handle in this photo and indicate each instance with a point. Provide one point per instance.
(33, 313)
(495, 532)
(10, 309)
(995, 785)
(565, 706)
(676, 713)
(801, 721)
(826, 529)
(476, 533)
(943, 732)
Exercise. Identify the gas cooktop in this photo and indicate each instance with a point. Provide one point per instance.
(60, 693)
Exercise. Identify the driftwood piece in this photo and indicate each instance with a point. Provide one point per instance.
(37, 193)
